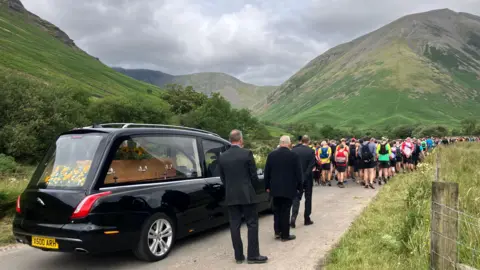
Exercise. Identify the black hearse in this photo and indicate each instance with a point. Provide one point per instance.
(114, 187)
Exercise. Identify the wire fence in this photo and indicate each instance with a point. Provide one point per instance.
(455, 234)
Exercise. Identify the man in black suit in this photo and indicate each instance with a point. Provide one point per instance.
(238, 170)
(307, 160)
(283, 180)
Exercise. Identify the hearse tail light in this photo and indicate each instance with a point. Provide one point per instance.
(84, 207)
(18, 209)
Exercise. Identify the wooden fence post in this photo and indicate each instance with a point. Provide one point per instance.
(444, 226)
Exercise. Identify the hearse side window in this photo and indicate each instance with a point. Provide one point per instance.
(212, 151)
(154, 158)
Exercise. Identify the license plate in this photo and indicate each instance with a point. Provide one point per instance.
(44, 242)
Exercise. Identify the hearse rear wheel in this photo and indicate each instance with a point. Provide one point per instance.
(156, 239)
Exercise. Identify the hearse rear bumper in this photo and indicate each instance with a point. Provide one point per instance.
(84, 238)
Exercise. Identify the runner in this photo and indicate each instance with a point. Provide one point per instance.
(398, 154)
(317, 169)
(383, 154)
(341, 158)
(324, 154)
(352, 160)
(393, 160)
(333, 147)
(424, 146)
(368, 155)
(407, 149)
(417, 153)
(361, 165)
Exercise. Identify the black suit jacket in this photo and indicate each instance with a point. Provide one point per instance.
(307, 160)
(283, 173)
(238, 172)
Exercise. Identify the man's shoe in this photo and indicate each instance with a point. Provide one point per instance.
(277, 236)
(308, 222)
(240, 261)
(289, 238)
(259, 259)
(292, 225)
(329, 184)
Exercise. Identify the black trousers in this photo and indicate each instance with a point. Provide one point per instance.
(281, 216)
(249, 211)
(308, 189)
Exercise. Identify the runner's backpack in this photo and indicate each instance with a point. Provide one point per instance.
(367, 156)
(324, 153)
(352, 151)
(383, 149)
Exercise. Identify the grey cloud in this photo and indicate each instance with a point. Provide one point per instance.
(258, 41)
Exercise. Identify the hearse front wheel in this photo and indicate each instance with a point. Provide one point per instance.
(156, 239)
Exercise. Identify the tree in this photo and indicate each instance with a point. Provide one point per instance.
(130, 109)
(183, 100)
(469, 126)
(435, 131)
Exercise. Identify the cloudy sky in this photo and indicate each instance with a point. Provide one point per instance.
(259, 41)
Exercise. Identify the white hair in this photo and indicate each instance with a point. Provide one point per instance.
(285, 140)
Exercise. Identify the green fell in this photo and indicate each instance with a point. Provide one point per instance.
(388, 77)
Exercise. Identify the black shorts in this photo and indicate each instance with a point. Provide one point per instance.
(415, 159)
(361, 165)
(384, 164)
(399, 159)
(334, 165)
(352, 162)
(408, 160)
(342, 168)
(326, 166)
(369, 165)
(393, 163)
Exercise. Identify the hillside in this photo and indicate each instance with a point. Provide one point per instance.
(422, 68)
(41, 53)
(239, 93)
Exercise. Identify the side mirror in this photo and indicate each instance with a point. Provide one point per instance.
(260, 172)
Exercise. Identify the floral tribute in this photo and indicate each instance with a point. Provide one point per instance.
(69, 176)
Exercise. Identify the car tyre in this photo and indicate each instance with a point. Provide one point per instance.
(157, 238)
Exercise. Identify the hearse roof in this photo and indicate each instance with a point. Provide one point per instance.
(139, 129)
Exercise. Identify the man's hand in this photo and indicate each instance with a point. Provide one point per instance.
(268, 190)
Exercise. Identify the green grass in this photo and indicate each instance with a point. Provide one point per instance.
(277, 132)
(11, 185)
(394, 230)
(28, 51)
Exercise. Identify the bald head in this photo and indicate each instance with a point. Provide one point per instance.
(285, 141)
(236, 137)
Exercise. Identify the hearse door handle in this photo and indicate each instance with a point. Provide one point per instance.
(138, 202)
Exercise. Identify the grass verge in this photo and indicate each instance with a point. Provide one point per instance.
(394, 230)
(11, 185)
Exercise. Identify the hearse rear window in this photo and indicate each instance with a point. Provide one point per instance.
(154, 158)
(68, 163)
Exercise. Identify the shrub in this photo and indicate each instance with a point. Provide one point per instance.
(7, 164)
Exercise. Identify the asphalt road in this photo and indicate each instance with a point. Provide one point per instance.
(333, 211)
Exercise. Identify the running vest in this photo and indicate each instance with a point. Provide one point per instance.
(341, 157)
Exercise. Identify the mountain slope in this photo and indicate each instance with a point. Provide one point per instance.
(239, 93)
(421, 68)
(40, 52)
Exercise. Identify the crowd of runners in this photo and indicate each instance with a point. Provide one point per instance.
(370, 161)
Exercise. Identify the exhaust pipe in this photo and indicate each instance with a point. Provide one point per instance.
(81, 250)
